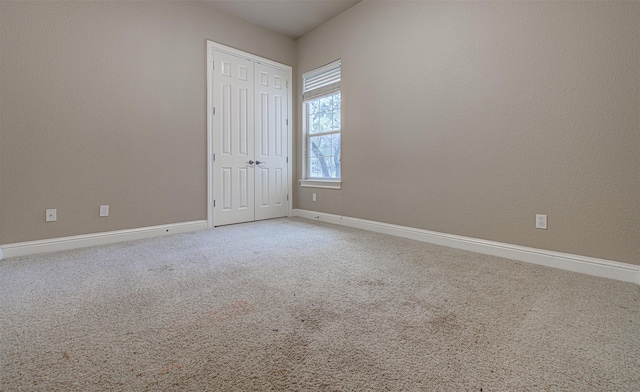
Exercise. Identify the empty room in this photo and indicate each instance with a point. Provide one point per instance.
(319, 195)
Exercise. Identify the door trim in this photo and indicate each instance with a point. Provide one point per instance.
(211, 47)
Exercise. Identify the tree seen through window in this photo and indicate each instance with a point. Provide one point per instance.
(323, 130)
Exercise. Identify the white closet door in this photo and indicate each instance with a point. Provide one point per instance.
(233, 133)
(271, 141)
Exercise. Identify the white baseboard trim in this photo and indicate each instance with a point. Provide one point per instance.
(109, 237)
(587, 265)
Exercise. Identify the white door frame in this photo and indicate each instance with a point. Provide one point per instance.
(211, 46)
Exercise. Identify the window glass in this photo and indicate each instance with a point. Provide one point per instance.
(323, 133)
(322, 121)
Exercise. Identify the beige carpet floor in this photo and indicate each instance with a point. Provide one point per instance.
(297, 305)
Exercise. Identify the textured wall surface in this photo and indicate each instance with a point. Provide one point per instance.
(105, 103)
(470, 118)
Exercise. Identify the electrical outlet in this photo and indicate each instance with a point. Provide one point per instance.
(313, 196)
(541, 221)
(104, 210)
(51, 215)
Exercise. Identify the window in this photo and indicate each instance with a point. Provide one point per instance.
(322, 126)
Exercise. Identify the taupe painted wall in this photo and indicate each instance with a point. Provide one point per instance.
(470, 118)
(105, 103)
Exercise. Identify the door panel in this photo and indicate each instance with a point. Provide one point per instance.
(271, 142)
(249, 125)
(233, 180)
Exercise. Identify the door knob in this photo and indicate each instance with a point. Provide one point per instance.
(251, 162)
(260, 163)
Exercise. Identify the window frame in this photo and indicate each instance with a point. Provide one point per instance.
(319, 93)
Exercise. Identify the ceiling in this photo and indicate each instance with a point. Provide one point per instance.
(293, 18)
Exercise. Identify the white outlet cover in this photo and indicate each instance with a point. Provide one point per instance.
(541, 221)
(104, 210)
(51, 215)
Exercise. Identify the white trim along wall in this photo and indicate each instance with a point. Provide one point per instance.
(586, 265)
(85, 240)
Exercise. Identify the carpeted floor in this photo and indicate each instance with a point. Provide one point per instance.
(296, 305)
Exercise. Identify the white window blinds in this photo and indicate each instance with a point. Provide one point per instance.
(321, 81)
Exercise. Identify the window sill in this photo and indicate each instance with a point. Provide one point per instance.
(327, 184)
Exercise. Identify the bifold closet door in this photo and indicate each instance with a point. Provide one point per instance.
(250, 140)
(233, 178)
(271, 142)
